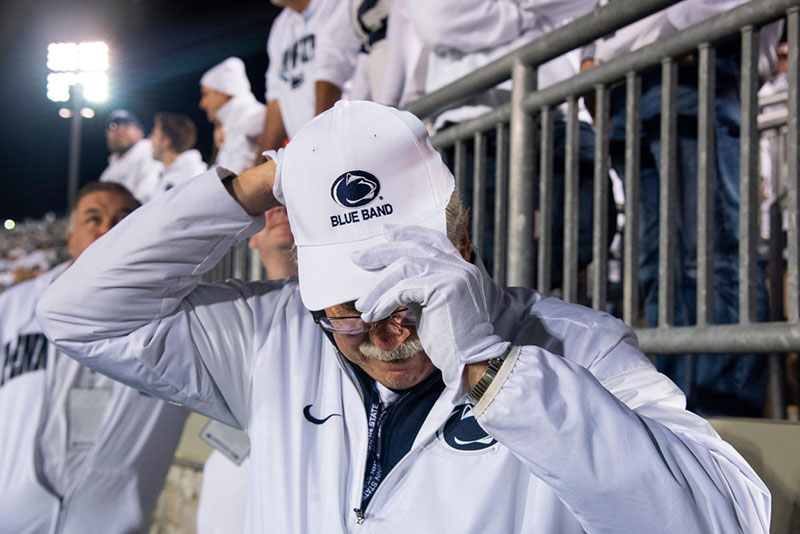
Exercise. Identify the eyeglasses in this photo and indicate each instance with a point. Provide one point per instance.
(353, 324)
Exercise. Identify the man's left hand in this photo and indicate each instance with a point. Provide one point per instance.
(420, 268)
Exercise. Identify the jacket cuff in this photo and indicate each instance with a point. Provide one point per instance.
(497, 383)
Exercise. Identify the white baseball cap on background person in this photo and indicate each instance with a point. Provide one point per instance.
(346, 174)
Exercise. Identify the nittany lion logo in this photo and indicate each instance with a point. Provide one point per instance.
(355, 188)
(462, 432)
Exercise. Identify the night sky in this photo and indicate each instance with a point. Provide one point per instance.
(158, 51)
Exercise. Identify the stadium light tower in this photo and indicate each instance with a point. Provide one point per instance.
(78, 75)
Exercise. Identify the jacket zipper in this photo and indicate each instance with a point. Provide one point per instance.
(362, 514)
(362, 458)
(37, 456)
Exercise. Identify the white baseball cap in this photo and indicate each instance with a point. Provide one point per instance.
(346, 174)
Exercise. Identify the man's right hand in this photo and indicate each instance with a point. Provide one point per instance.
(252, 189)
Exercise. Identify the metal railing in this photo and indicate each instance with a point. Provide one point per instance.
(526, 122)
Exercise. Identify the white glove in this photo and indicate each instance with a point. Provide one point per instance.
(421, 269)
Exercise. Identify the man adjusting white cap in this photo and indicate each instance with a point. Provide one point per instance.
(348, 403)
(377, 166)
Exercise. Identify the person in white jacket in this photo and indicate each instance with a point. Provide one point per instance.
(173, 138)
(223, 494)
(80, 452)
(312, 49)
(227, 99)
(356, 412)
(131, 161)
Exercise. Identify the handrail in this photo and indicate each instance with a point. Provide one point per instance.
(590, 27)
(711, 30)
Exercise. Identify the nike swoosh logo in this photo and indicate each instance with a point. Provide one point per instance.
(312, 419)
(488, 440)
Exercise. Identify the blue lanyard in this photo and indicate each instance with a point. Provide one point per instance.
(374, 471)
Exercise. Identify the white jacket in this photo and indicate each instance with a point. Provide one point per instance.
(186, 166)
(674, 19)
(135, 169)
(318, 44)
(464, 35)
(588, 435)
(243, 119)
(57, 474)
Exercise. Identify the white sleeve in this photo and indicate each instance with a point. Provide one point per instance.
(404, 50)
(622, 454)
(469, 25)
(337, 46)
(271, 77)
(131, 307)
(690, 12)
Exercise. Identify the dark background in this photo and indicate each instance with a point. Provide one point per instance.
(158, 51)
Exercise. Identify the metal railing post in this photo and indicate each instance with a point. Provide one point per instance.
(571, 204)
(479, 190)
(630, 267)
(520, 183)
(501, 205)
(545, 202)
(793, 166)
(600, 208)
(667, 194)
(706, 166)
(748, 176)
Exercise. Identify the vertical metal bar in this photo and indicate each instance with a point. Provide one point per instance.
(545, 202)
(241, 261)
(600, 209)
(520, 182)
(793, 166)
(479, 191)
(706, 145)
(501, 205)
(460, 170)
(74, 155)
(748, 176)
(255, 269)
(776, 387)
(667, 193)
(633, 124)
(570, 281)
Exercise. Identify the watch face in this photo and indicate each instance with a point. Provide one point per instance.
(462, 432)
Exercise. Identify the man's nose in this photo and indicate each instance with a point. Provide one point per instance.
(387, 335)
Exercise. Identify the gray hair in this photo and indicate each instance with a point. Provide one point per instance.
(457, 216)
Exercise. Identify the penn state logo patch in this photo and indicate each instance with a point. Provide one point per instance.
(462, 432)
(354, 189)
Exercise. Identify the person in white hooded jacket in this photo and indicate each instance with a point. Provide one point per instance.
(227, 98)
(356, 412)
(80, 453)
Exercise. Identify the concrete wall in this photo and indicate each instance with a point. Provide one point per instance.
(772, 448)
(176, 511)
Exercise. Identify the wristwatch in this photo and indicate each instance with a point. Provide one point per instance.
(480, 388)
